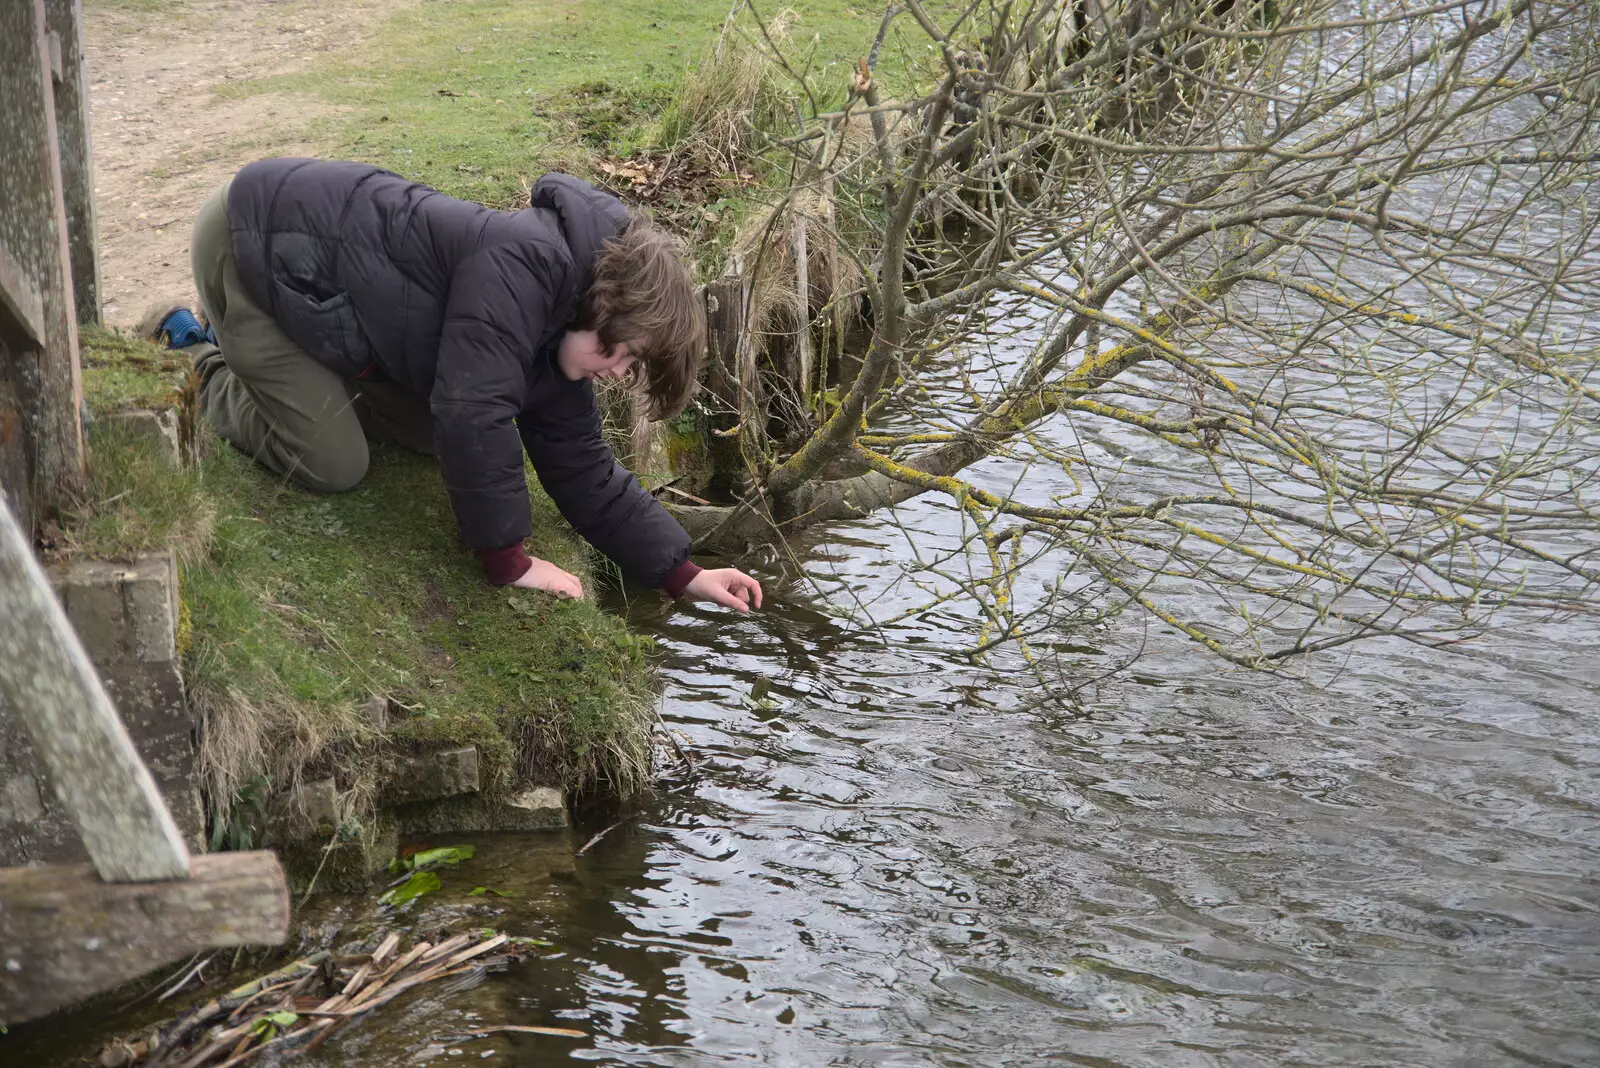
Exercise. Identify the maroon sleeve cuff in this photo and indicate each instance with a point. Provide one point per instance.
(680, 577)
(505, 566)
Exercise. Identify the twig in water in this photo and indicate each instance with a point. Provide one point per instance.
(184, 967)
(279, 1014)
(686, 495)
(666, 732)
(597, 838)
(190, 974)
(327, 851)
(485, 1032)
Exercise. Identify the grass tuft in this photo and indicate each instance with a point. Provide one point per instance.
(122, 372)
(725, 102)
(138, 501)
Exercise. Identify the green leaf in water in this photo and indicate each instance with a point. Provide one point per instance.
(520, 940)
(273, 1022)
(421, 882)
(431, 858)
(479, 891)
(442, 855)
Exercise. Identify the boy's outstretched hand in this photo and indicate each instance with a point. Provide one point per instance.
(726, 586)
(544, 575)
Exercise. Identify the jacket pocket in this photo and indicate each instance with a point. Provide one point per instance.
(326, 326)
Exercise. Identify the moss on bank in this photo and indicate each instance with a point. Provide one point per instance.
(301, 608)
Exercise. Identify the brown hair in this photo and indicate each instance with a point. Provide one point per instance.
(642, 294)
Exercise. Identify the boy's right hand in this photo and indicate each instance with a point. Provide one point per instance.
(544, 575)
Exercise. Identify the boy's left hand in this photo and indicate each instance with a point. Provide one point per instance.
(726, 586)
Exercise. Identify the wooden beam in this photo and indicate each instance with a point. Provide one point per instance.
(66, 935)
(65, 18)
(52, 688)
(20, 301)
(44, 373)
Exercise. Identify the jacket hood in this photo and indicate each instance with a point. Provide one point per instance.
(589, 217)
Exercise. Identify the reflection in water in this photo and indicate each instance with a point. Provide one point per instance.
(895, 860)
(891, 855)
(899, 859)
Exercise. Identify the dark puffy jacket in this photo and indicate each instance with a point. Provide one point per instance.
(466, 305)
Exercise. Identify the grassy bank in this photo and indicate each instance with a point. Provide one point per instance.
(478, 99)
(300, 609)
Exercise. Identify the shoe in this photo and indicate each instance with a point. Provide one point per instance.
(174, 326)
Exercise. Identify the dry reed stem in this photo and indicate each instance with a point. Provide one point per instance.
(368, 986)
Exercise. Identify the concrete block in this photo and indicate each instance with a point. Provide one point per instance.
(541, 808)
(537, 809)
(150, 605)
(92, 597)
(462, 814)
(348, 866)
(122, 610)
(311, 810)
(40, 831)
(188, 811)
(429, 776)
(159, 428)
(377, 712)
(125, 614)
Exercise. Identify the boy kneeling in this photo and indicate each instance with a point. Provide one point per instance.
(346, 303)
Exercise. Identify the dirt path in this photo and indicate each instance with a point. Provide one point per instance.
(166, 133)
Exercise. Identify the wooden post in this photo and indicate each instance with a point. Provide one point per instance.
(40, 391)
(802, 281)
(833, 325)
(52, 688)
(65, 25)
(730, 363)
(752, 398)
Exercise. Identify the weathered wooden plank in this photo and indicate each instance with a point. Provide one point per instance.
(20, 301)
(52, 41)
(13, 451)
(65, 934)
(65, 18)
(43, 373)
(47, 678)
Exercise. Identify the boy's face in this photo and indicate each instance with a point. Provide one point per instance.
(581, 357)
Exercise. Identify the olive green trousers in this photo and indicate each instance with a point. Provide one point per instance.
(272, 399)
